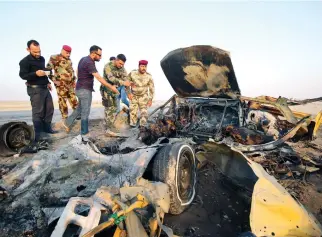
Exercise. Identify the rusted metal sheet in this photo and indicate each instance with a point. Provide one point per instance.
(202, 71)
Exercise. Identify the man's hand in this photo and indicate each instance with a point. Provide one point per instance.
(49, 87)
(127, 83)
(130, 96)
(149, 103)
(40, 73)
(105, 83)
(57, 83)
(115, 90)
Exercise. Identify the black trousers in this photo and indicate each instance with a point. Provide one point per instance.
(42, 108)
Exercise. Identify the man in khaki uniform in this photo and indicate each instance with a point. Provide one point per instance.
(142, 92)
(64, 79)
(115, 74)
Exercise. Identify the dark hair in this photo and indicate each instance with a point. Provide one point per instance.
(112, 58)
(34, 42)
(94, 48)
(121, 57)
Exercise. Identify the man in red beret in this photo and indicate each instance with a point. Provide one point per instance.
(64, 79)
(142, 92)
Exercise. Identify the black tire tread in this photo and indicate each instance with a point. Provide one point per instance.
(162, 163)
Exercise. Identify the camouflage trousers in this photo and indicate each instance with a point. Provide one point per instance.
(139, 102)
(110, 108)
(65, 93)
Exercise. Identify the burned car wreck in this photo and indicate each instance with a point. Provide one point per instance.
(230, 131)
(207, 121)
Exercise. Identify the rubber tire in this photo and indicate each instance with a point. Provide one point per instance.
(5, 129)
(164, 163)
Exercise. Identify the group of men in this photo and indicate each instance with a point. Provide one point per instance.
(116, 85)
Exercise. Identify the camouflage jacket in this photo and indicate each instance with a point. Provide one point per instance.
(114, 76)
(143, 84)
(63, 69)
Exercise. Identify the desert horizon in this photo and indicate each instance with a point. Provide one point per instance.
(10, 106)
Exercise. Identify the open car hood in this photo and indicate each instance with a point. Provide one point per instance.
(201, 71)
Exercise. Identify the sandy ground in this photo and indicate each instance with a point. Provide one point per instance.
(216, 210)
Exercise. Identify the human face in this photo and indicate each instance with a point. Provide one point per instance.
(65, 54)
(119, 63)
(34, 51)
(142, 69)
(98, 55)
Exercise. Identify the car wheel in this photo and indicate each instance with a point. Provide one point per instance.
(14, 136)
(175, 165)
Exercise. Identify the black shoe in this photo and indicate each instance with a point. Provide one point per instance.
(48, 129)
(35, 146)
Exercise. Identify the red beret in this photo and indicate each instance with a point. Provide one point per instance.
(67, 48)
(143, 62)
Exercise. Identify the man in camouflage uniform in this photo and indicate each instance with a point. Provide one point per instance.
(64, 79)
(115, 74)
(142, 92)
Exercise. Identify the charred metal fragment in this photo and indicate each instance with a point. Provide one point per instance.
(247, 136)
(201, 71)
(162, 128)
(271, 145)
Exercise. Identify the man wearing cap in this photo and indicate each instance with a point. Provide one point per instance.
(141, 95)
(115, 74)
(64, 79)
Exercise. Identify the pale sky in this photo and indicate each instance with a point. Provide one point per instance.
(276, 47)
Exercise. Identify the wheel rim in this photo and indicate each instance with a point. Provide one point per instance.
(18, 137)
(185, 175)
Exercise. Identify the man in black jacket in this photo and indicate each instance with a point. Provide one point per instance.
(32, 69)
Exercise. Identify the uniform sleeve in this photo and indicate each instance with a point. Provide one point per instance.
(108, 75)
(72, 72)
(50, 66)
(151, 89)
(129, 77)
(24, 71)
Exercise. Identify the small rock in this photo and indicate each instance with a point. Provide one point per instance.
(225, 216)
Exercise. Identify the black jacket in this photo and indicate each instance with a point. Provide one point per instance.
(28, 67)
